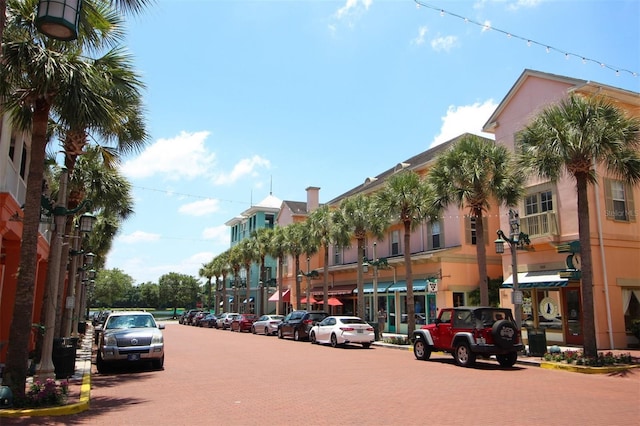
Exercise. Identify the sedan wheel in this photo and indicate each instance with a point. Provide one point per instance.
(266, 331)
(296, 335)
(312, 337)
(280, 335)
(334, 341)
(253, 329)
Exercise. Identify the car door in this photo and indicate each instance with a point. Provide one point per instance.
(442, 331)
(324, 329)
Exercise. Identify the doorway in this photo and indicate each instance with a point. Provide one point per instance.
(573, 316)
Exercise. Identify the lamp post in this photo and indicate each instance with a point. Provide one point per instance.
(46, 368)
(514, 240)
(59, 18)
(308, 281)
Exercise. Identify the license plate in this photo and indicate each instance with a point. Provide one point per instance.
(360, 331)
(133, 357)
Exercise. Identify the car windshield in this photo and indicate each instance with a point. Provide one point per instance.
(130, 321)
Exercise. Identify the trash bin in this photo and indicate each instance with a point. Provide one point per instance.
(82, 327)
(64, 356)
(376, 330)
(537, 341)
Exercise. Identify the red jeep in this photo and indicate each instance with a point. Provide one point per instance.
(467, 331)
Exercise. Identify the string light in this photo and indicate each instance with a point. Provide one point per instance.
(547, 47)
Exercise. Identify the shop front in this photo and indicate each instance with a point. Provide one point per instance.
(551, 305)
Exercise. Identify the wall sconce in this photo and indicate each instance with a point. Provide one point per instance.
(58, 19)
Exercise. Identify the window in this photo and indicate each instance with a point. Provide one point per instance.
(539, 215)
(470, 231)
(269, 220)
(395, 243)
(337, 255)
(458, 299)
(619, 201)
(433, 235)
(539, 202)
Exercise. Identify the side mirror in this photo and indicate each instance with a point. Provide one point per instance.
(437, 321)
(161, 326)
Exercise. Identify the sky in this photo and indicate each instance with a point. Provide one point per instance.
(248, 98)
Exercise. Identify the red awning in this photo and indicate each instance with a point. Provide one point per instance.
(332, 301)
(285, 296)
(311, 300)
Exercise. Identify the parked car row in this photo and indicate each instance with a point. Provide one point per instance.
(315, 326)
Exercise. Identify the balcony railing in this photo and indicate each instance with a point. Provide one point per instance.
(540, 224)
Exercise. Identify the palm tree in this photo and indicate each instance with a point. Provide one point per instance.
(324, 229)
(279, 249)
(471, 174)
(406, 197)
(261, 239)
(249, 256)
(362, 217)
(294, 235)
(37, 74)
(235, 264)
(206, 271)
(574, 137)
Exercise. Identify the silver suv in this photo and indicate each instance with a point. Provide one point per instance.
(130, 336)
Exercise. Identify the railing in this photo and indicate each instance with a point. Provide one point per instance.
(541, 224)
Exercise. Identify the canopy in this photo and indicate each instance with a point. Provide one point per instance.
(536, 279)
(332, 301)
(311, 300)
(285, 296)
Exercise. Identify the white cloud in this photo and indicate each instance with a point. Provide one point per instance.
(444, 43)
(465, 119)
(184, 156)
(422, 31)
(138, 237)
(349, 13)
(245, 167)
(219, 234)
(200, 208)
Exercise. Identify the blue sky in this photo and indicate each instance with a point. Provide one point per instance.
(248, 96)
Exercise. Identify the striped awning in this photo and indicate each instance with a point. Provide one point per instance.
(536, 279)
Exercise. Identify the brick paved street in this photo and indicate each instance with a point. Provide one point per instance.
(215, 377)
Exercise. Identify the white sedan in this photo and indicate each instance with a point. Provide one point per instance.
(338, 330)
(267, 324)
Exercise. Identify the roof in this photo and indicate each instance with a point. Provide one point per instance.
(416, 162)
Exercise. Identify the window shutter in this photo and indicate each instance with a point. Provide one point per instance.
(467, 229)
(628, 192)
(608, 199)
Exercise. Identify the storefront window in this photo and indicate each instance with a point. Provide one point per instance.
(550, 309)
(458, 299)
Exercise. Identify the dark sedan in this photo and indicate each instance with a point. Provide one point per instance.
(298, 323)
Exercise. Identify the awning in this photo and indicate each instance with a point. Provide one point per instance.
(334, 291)
(536, 279)
(311, 300)
(368, 287)
(332, 301)
(418, 285)
(286, 296)
(250, 300)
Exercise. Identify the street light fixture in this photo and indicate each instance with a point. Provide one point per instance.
(59, 18)
(516, 239)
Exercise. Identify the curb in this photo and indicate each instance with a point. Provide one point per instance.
(585, 369)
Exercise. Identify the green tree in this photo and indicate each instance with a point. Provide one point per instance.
(176, 290)
(407, 199)
(471, 174)
(262, 242)
(206, 271)
(111, 286)
(574, 137)
(36, 76)
(279, 249)
(295, 236)
(361, 217)
(149, 294)
(325, 228)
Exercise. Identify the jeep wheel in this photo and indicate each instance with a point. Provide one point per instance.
(420, 350)
(507, 360)
(504, 334)
(463, 355)
(334, 341)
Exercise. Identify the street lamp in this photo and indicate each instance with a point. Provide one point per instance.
(515, 239)
(59, 18)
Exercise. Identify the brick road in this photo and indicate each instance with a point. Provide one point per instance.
(215, 377)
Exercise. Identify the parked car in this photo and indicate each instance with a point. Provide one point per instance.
(267, 324)
(208, 321)
(224, 320)
(243, 322)
(467, 332)
(188, 316)
(338, 330)
(198, 317)
(298, 323)
(130, 336)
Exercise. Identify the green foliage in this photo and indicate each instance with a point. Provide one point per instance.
(47, 394)
(176, 290)
(494, 293)
(111, 286)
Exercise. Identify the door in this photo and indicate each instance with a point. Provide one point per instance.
(391, 316)
(572, 316)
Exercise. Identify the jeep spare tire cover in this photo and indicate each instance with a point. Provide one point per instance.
(504, 334)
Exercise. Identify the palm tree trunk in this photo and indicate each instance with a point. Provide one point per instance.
(359, 280)
(481, 248)
(325, 283)
(411, 309)
(298, 280)
(15, 375)
(588, 315)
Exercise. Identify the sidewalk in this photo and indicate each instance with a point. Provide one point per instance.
(79, 386)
